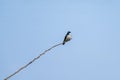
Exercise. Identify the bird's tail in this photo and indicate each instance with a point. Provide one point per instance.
(63, 42)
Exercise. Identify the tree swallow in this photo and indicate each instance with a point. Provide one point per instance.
(68, 37)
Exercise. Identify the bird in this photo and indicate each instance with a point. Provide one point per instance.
(67, 38)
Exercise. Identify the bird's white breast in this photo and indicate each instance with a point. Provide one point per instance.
(69, 37)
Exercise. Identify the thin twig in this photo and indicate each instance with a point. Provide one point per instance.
(32, 61)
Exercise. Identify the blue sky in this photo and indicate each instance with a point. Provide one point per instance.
(28, 27)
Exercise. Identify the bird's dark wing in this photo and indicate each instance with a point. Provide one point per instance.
(64, 39)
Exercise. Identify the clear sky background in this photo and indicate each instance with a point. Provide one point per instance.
(28, 27)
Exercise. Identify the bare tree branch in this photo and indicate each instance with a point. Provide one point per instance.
(23, 67)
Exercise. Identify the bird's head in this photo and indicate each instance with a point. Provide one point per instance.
(68, 32)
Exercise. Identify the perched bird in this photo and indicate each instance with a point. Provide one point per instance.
(68, 37)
